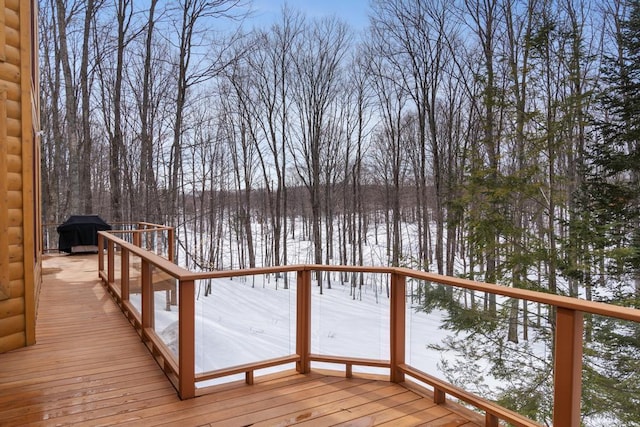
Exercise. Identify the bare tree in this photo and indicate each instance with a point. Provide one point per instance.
(111, 85)
(360, 99)
(148, 194)
(193, 32)
(392, 104)
(242, 139)
(54, 174)
(317, 67)
(412, 37)
(65, 14)
(271, 70)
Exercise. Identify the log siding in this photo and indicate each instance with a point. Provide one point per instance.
(20, 259)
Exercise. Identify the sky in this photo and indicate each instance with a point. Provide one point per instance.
(354, 12)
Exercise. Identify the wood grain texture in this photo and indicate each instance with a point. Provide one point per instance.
(3, 24)
(28, 128)
(4, 202)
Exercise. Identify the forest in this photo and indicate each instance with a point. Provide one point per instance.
(505, 134)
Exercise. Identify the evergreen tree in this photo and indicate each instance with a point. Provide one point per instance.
(612, 183)
(611, 201)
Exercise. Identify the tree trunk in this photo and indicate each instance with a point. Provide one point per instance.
(70, 103)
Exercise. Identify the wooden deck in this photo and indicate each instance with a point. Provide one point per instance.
(89, 367)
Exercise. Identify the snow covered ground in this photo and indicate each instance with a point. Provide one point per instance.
(248, 319)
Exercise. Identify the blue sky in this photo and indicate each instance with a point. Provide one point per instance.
(353, 11)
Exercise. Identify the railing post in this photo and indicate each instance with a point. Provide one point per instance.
(136, 238)
(491, 420)
(567, 371)
(146, 285)
(303, 321)
(171, 243)
(100, 253)
(397, 326)
(152, 241)
(186, 339)
(124, 274)
(110, 262)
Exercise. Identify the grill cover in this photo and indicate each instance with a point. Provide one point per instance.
(79, 233)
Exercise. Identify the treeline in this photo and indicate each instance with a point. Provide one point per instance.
(504, 131)
(483, 112)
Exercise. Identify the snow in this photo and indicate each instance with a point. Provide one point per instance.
(251, 319)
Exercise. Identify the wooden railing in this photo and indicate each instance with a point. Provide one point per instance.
(180, 368)
(150, 237)
(142, 234)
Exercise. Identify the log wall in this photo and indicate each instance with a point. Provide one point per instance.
(20, 259)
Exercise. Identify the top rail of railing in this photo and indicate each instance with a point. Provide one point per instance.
(571, 303)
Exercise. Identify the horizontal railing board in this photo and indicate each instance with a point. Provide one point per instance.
(480, 403)
(168, 356)
(571, 303)
(356, 361)
(249, 367)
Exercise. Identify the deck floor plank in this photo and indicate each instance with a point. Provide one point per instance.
(249, 401)
(280, 407)
(89, 367)
(311, 415)
(370, 413)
